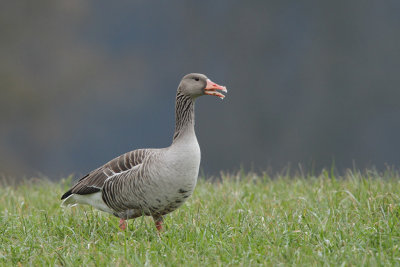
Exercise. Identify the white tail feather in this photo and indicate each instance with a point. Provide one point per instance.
(95, 200)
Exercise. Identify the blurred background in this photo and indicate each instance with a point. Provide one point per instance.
(310, 82)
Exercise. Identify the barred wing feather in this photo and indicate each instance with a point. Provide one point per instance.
(94, 181)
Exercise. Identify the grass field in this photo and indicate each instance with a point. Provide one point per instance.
(241, 219)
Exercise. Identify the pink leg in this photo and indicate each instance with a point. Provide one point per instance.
(159, 226)
(158, 221)
(122, 224)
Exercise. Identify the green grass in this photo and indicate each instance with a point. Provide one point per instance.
(242, 220)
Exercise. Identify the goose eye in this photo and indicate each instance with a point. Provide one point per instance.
(196, 79)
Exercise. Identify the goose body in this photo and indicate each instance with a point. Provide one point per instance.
(152, 182)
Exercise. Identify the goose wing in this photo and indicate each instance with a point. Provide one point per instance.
(94, 181)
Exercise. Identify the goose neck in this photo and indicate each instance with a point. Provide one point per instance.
(184, 117)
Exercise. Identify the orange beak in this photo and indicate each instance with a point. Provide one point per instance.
(211, 89)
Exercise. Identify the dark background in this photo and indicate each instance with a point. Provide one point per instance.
(309, 82)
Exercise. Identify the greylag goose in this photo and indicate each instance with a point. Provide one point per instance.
(151, 182)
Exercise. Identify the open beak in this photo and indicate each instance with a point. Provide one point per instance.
(211, 89)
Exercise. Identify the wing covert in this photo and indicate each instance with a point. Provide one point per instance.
(93, 182)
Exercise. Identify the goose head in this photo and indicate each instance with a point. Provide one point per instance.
(196, 84)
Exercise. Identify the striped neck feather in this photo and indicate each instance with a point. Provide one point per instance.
(184, 115)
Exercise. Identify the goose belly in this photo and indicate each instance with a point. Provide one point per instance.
(172, 191)
(172, 186)
(168, 181)
(161, 197)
